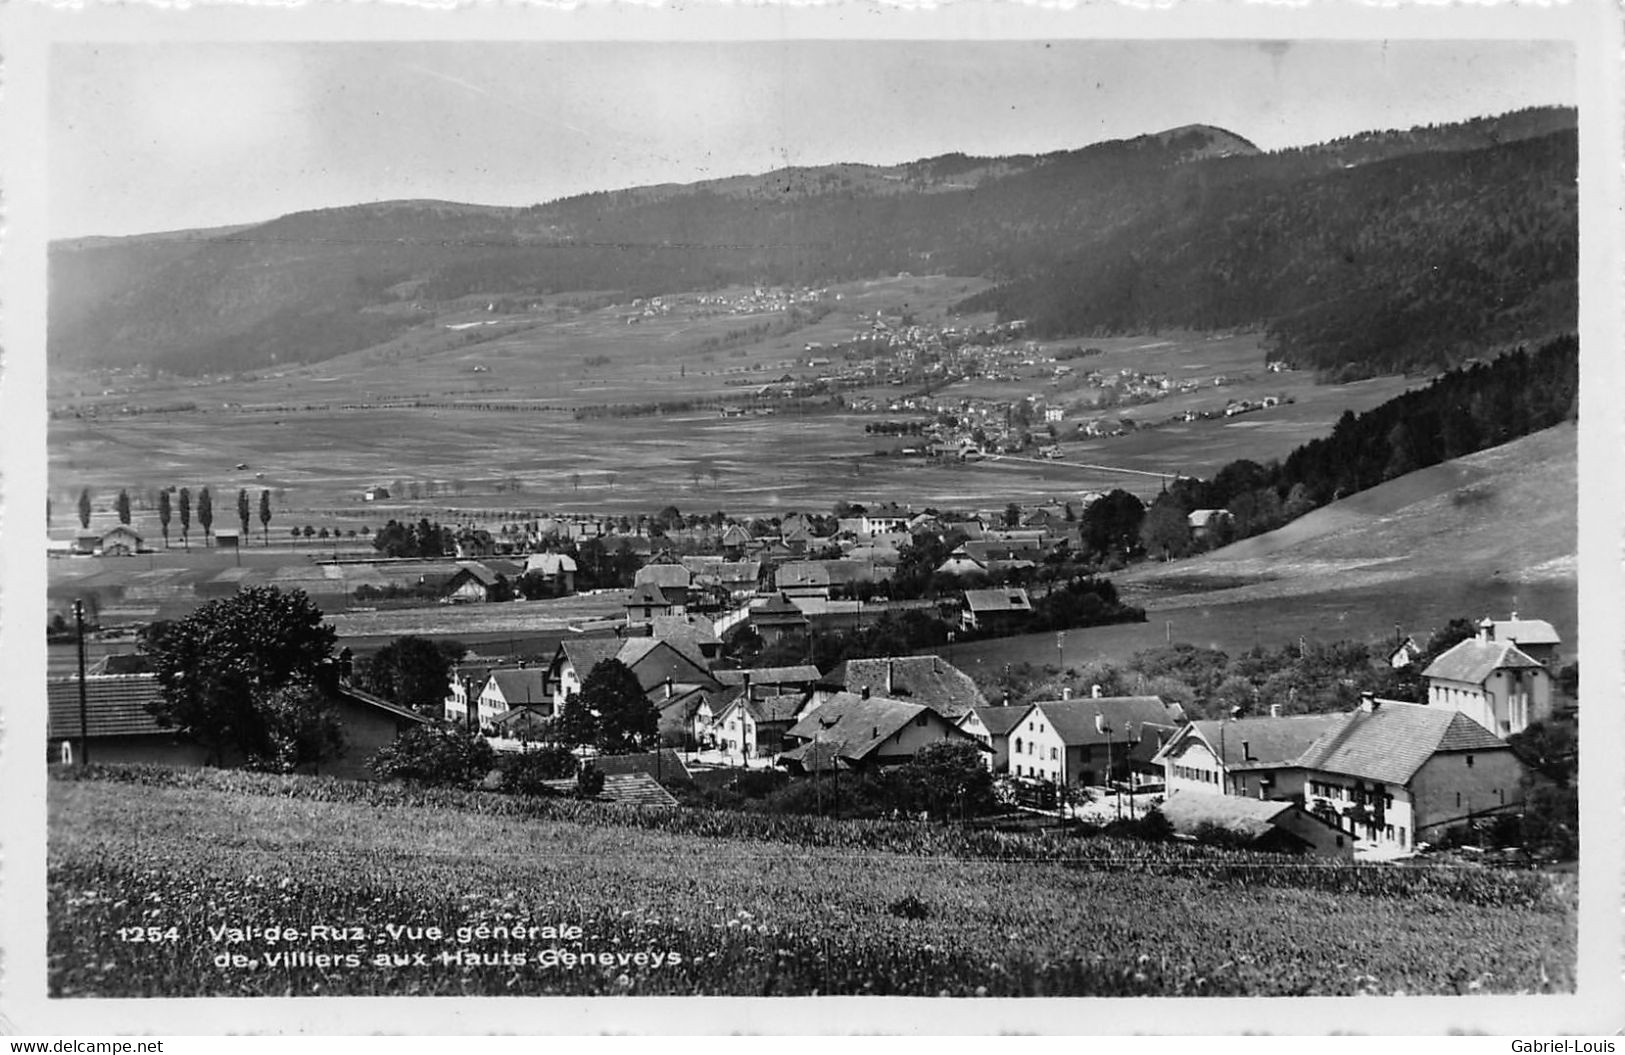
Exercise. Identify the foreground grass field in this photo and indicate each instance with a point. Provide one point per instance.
(727, 904)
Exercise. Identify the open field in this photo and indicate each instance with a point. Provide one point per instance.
(1483, 535)
(735, 904)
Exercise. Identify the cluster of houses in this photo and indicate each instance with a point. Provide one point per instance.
(1388, 775)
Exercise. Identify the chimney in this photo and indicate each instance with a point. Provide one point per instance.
(1275, 710)
(1485, 627)
(1094, 692)
(1247, 752)
(866, 692)
(1066, 692)
(888, 677)
(746, 690)
(1368, 702)
(668, 688)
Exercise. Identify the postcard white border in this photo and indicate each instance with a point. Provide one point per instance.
(26, 32)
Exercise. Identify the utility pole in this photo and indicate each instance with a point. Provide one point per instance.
(84, 728)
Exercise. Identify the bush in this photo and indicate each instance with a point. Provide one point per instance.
(1155, 826)
(526, 773)
(443, 756)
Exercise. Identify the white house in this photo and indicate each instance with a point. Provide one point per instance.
(1495, 683)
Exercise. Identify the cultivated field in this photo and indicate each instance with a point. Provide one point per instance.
(733, 904)
(288, 429)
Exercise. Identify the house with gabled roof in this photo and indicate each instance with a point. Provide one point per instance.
(120, 727)
(776, 618)
(808, 578)
(572, 661)
(513, 687)
(1395, 773)
(118, 722)
(1245, 756)
(645, 602)
(999, 723)
(1403, 654)
(556, 569)
(1085, 741)
(120, 540)
(472, 581)
(1390, 773)
(1495, 683)
(693, 635)
(669, 575)
(1004, 610)
(752, 723)
(850, 731)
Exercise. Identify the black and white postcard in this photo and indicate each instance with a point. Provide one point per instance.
(881, 518)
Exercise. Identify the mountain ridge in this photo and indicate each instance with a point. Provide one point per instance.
(216, 299)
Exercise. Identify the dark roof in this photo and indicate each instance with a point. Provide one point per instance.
(351, 694)
(782, 707)
(520, 686)
(664, 762)
(1000, 720)
(646, 593)
(653, 662)
(1269, 741)
(930, 680)
(115, 705)
(1123, 716)
(858, 725)
(586, 653)
(476, 571)
(1391, 742)
(121, 663)
(806, 674)
(777, 610)
(1472, 661)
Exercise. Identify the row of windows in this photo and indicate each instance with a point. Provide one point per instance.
(1034, 749)
(1191, 773)
(1031, 771)
(1357, 796)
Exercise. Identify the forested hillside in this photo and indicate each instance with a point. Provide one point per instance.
(1382, 251)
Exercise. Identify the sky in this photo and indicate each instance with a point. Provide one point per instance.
(168, 136)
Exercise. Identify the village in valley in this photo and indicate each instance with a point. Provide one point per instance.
(1147, 568)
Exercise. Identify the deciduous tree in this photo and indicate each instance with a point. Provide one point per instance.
(245, 676)
(84, 508)
(627, 721)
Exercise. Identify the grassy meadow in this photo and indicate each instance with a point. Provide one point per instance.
(721, 903)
